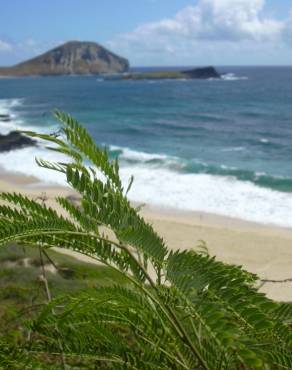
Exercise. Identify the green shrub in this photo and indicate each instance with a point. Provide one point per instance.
(179, 310)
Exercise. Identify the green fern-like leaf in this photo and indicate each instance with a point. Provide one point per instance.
(180, 310)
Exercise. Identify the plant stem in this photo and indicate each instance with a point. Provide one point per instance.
(49, 298)
(167, 310)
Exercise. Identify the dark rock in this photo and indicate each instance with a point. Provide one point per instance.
(202, 73)
(74, 57)
(15, 140)
(5, 118)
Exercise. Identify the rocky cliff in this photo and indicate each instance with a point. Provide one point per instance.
(74, 57)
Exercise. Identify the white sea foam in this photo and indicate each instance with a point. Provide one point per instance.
(233, 77)
(130, 154)
(234, 149)
(167, 188)
(216, 194)
(7, 107)
(15, 122)
(264, 140)
(23, 161)
(224, 167)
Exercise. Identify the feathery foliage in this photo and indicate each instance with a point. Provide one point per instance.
(180, 310)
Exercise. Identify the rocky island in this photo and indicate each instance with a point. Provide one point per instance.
(72, 58)
(195, 73)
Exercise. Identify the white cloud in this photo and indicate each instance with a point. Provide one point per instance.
(5, 46)
(236, 20)
(205, 25)
(287, 30)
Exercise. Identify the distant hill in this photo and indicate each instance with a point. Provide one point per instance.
(74, 57)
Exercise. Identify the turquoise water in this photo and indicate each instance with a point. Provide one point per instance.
(221, 146)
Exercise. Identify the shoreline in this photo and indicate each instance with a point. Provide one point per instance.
(33, 183)
(262, 249)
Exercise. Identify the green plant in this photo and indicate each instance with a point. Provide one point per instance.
(179, 310)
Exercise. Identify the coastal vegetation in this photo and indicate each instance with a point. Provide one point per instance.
(22, 292)
(144, 306)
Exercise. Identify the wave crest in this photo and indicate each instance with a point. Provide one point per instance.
(172, 182)
(233, 77)
(7, 107)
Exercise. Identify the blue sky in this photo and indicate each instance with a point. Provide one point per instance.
(153, 32)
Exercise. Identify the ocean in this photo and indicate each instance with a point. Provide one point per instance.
(219, 146)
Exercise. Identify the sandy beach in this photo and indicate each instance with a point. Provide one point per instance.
(262, 249)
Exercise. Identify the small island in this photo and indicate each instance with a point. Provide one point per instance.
(195, 73)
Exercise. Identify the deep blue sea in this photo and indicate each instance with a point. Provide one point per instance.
(221, 146)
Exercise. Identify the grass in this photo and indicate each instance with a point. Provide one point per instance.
(22, 290)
